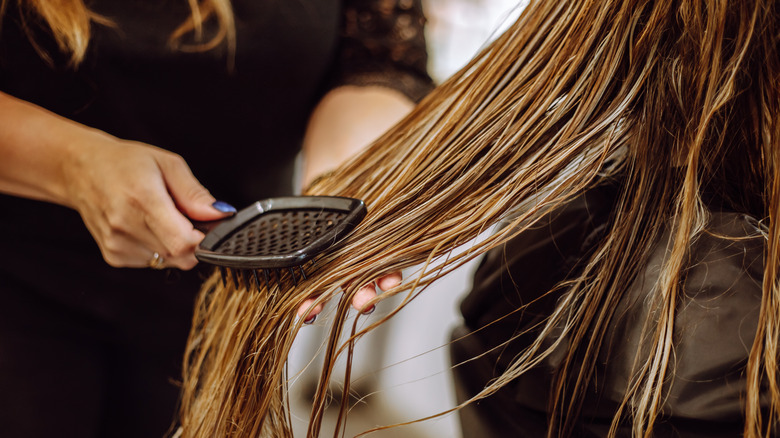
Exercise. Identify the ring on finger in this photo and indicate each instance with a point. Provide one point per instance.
(157, 261)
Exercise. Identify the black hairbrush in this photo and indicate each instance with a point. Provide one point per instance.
(276, 237)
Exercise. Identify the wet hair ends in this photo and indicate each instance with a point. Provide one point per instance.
(671, 99)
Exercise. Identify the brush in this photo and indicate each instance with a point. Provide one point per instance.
(272, 240)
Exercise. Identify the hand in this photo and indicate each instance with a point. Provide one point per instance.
(361, 298)
(136, 199)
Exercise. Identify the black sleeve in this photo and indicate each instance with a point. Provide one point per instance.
(383, 43)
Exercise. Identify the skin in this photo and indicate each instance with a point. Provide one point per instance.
(345, 121)
(137, 199)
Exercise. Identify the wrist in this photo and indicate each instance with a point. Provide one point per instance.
(79, 145)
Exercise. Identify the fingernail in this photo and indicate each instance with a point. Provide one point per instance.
(369, 311)
(224, 207)
(310, 320)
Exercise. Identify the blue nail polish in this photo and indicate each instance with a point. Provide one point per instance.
(310, 320)
(224, 207)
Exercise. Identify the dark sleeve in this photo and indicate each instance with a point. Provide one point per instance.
(383, 43)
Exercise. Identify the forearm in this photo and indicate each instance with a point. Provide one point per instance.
(345, 121)
(34, 147)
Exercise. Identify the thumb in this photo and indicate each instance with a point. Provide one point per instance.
(190, 196)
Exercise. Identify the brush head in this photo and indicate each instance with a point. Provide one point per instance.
(278, 233)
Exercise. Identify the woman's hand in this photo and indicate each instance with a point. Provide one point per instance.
(359, 301)
(136, 199)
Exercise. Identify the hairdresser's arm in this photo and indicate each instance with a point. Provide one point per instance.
(346, 120)
(130, 195)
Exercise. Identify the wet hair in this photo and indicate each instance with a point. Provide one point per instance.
(670, 99)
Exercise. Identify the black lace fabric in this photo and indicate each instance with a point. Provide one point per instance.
(383, 44)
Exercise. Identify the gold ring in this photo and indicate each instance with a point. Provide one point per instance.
(157, 261)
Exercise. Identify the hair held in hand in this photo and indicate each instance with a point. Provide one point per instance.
(666, 98)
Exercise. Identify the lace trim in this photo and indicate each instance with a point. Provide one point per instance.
(383, 43)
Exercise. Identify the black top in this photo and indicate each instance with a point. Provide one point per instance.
(715, 324)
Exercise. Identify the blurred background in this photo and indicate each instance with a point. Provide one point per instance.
(401, 370)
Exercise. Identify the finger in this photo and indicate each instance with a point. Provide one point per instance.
(124, 251)
(185, 262)
(189, 195)
(389, 281)
(362, 297)
(122, 236)
(182, 259)
(310, 312)
(175, 233)
(142, 237)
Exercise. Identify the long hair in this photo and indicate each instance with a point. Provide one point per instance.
(70, 23)
(670, 99)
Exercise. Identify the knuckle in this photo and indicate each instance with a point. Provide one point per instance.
(176, 160)
(180, 248)
(111, 257)
(139, 195)
(117, 223)
(112, 247)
